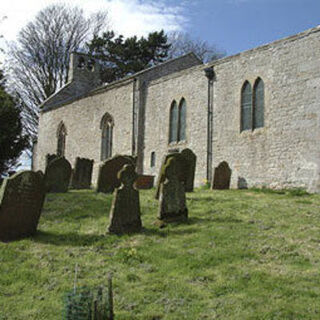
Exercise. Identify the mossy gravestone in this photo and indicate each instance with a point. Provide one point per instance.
(108, 171)
(125, 209)
(21, 201)
(186, 164)
(58, 175)
(50, 158)
(82, 174)
(172, 198)
(222, 176)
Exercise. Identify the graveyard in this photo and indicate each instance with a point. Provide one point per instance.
(241, 254)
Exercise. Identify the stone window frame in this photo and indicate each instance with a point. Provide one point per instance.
(178, 132)
(61, 139)
(106, 126)
(253, 122)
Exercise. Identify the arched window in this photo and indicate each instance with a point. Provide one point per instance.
(152, 159)
(61, 137)
(173, 134)
(258, 103)
(182, 120)
(246, 106)
(106, 127)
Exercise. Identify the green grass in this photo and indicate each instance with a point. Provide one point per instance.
(243, 254)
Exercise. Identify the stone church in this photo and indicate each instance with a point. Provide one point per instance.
(258, 110)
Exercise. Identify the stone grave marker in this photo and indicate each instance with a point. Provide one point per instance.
(50, 158)
(222, 176)
(172, 198)
(108, 171)
(191, 160)
(21, 201)
(82, 174)
(57, 175)
(125, 209)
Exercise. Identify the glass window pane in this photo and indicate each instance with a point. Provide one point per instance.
(258, 115)
(246, 107)
(173, 122)
(182, 120)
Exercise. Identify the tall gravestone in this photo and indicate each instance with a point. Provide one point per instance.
(172, 199)
(108, 171)
(186, 164)
(21, 201)
(222, 176)
(125, 209)
(82, 174)
(191, 160)
(57, 175)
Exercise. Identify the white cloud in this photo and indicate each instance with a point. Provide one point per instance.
(128, 17)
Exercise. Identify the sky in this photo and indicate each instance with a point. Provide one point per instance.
(232, 25)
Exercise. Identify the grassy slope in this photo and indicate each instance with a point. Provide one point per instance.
(242, 255)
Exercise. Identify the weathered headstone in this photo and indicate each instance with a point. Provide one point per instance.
(172, 198)
(221, 176)
(82, 174)
(21, 201)
(144, 182)
(57, 175)
(191, 159)
(108, 171)
(125, 209)
(185, 168)
(50, 158)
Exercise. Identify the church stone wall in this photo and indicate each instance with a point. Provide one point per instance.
(286, 151)
(82, 121)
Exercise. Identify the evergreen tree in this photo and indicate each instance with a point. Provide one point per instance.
(124, 57)
(12, 141)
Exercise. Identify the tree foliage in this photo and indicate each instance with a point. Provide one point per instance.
(38, 62)
(182, 43)
(12, 140)
(123, 57)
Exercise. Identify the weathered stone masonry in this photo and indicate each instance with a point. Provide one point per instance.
(285, 152)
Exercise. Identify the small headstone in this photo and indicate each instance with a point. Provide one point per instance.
(108, 171)
(144, 182)
(125, 209)
(191, 159)
(21, 201)
(221, 176)
(82, 174)
(50, 158)
(58, 174)
(172, 199)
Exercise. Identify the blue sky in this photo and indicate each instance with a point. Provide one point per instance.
(238, 25)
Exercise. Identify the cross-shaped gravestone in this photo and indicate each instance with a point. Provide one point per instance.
(125, 209)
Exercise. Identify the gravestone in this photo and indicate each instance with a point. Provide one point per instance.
(186, 162)
(221, 176)
(172, 198)
(57, 175)
(125, 209)
(82, 174)
(108, 171)
(50, 158)
(21, 201)
(191, 160)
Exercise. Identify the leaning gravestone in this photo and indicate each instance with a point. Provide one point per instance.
(108, 171)
(125, 209)
(172, 198)
(221, 176)
(82, 174)
(58, 175)
(191, 159)
(185, 163)
(21, 200)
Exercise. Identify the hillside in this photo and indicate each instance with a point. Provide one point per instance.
(244, 254)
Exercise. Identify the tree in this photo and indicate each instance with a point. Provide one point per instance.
(123, 57)
(12, 140)
(182, 43)
(38, 62)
